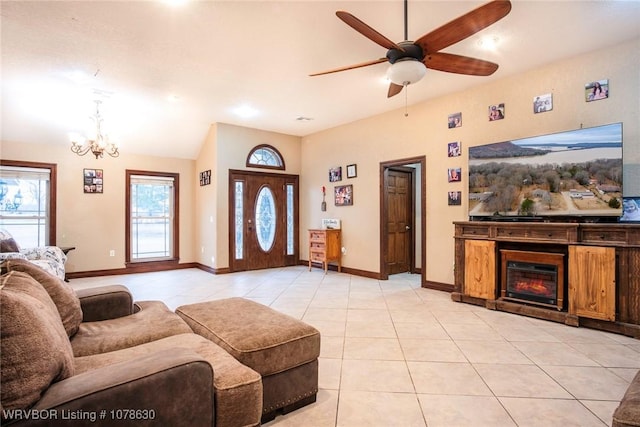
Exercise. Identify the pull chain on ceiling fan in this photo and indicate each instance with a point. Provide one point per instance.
(410, 60)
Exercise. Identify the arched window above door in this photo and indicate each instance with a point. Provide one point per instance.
(265, 156)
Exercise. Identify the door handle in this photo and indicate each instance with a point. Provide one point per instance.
(249, 225)
(407, 227)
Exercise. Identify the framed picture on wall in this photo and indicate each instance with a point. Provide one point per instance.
(352, 171)
(454, 174)
(630, 209)
(454, 198)
(496, 112)
(93, 180)
(542, 103)
(454, 149)
(335, 174)
(343, 195)
(455, 120)
(596, 90)
(205, 177)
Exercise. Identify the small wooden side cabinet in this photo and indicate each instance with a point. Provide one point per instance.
(325, 246)
(480, 272)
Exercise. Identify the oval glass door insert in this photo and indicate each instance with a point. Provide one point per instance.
(265, 219)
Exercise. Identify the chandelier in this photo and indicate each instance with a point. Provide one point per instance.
(98, 144)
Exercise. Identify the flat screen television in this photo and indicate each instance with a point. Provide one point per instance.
(568, 175)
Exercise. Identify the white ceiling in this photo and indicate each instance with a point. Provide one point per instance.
(214, 56)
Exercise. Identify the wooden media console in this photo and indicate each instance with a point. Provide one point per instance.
(597, 267)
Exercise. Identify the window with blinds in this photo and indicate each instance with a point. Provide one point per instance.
(25, 204)
(152, 217)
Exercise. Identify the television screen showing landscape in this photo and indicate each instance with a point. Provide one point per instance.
(573, 173)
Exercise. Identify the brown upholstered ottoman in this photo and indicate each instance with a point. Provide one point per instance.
(282, 349)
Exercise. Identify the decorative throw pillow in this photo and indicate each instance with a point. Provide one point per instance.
(9, 245)
(34, 348)
(63, 295)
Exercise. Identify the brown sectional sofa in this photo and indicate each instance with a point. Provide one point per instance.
(627, 414)
(97, 356)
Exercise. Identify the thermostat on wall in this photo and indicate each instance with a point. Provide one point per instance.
(330, 223)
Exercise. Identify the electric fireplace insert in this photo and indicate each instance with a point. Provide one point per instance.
(533, 277)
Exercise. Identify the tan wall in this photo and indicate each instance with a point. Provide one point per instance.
(231, 145)
(205, 206)
(393, 136)
(95, 223)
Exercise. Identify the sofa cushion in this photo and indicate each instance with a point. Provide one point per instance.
(151, 322)
(35, 350)
(63, 295)
(237, 388)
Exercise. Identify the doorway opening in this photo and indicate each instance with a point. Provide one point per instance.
(402, 218)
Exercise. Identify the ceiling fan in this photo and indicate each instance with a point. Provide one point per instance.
(411, 59)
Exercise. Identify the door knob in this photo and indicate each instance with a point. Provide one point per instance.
(407, 227)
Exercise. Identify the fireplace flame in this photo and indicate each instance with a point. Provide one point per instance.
(534, 286)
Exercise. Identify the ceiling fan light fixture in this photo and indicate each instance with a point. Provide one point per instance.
(406, 71)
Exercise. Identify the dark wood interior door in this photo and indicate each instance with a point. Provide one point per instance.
(263, 220)
(399, 187)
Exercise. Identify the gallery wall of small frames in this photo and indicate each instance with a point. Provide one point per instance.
(205, 177)
(542, 103)
(343, 194)
(93, 181)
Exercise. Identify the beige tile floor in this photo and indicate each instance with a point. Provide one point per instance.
(395, 354)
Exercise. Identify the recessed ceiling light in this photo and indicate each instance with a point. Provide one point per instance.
(304, 119)
(175, 3)
(245, 111)
(489, 42)
(78, 77)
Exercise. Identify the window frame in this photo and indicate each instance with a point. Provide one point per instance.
(271, 148)
(175, 228)
(53, 193)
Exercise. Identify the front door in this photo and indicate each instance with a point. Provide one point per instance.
(399, 188)
(263, 219)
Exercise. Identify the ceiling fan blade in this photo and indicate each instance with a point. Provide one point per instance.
(351, 67)
(459, 64)
(394, 89)
(464, 26)
(367, 31)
